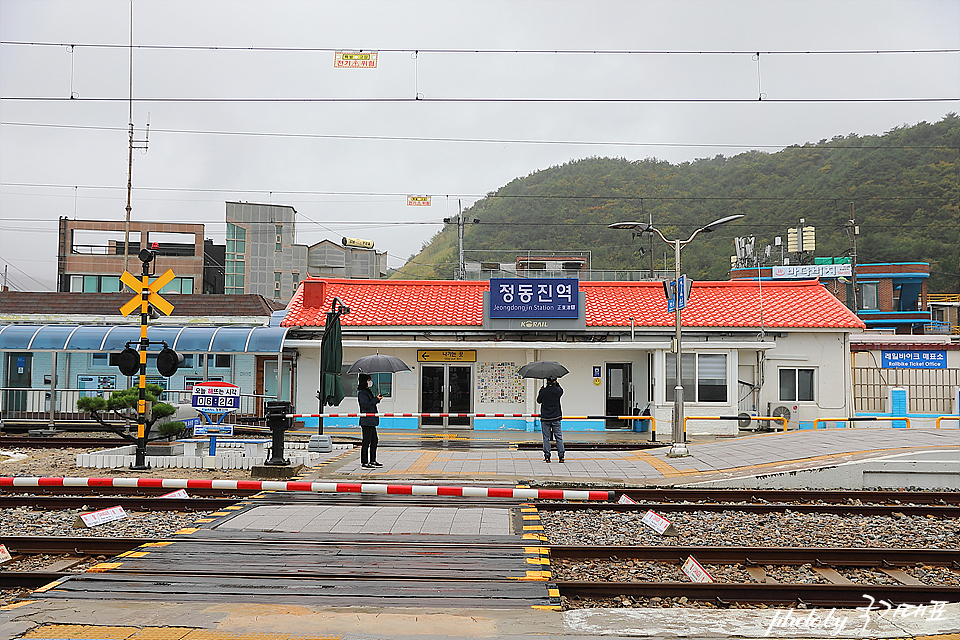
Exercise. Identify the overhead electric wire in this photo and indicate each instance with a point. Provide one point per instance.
(310, 136)
(419, 98)
(492, 196)
(486, 51)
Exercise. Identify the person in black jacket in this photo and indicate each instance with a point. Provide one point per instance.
(368, 424)
(550, 414)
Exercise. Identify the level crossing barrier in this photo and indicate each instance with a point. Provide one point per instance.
(653, 421)
(318, 487)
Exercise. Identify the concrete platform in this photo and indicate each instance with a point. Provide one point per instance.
(835, 458)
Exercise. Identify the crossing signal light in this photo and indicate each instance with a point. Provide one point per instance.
(168, 361)
(127, 360)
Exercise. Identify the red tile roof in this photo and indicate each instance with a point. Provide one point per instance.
(446, 303)
(108, 304)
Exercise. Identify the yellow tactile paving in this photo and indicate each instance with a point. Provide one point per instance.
(87, 632)
(79, 632)
(425, 460)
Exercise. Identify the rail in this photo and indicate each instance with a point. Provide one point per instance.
(862, 419)
(780, 419)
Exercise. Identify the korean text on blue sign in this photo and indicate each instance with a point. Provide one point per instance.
(534, 298)
(914, 359)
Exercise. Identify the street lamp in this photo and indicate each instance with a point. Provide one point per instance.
(679, 447)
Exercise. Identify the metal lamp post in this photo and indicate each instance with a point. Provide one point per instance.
(679, 447)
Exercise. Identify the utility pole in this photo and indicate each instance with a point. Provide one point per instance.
(461, 268)
(852, 232)
(461, 273)
(142, 145)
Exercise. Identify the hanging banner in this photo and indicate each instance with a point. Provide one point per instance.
(418, 201)
(350, 60)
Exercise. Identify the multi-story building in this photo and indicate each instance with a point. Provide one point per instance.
(91, 255)
(262, 255)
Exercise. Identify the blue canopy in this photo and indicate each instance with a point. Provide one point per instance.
(71, 337)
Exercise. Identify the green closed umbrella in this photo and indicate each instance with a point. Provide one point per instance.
(331, 359)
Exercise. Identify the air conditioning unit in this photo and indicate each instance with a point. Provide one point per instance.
(746, 424)
(787, 410)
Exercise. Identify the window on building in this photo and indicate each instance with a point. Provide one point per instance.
(704, 377)
(99, 359)
(796, 385)
(869, 299)
(235, 264)
(276, 284)
(296, 283)
(95, 284)
(279, 238)
(179, 285)
(381, 383)
(216, 360)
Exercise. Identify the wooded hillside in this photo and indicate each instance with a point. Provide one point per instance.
(904, 186)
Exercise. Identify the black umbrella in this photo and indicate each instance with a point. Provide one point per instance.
(543, 369)
(378, 364)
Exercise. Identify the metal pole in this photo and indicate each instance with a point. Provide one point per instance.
(461, 275)
(139, 463)
(679, 447)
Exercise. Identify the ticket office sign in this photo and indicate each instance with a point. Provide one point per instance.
(534, 298)
(913, 359)
(216, 397)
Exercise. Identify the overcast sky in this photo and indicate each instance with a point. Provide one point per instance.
(244, 101)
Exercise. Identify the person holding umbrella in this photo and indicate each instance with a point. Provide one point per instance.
(368, 424)
(550, 414)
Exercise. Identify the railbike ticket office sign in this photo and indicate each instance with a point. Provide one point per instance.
(913, 359)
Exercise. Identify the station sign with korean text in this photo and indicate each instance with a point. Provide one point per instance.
(447, 355)
(216, 397)
(529, 298)
(355, 60)
(418, 201)
(792, 271)
(913, 359)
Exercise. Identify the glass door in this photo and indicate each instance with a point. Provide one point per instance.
(432, 396)
(619, 400)
(446, 388)
(460, 394)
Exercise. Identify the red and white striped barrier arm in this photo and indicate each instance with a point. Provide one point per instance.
(413, 415)
(453, 415)
(320, 487)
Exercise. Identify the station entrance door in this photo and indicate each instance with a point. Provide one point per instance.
(619, 394)
(446, 388)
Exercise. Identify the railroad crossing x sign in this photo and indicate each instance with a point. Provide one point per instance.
(153, 297)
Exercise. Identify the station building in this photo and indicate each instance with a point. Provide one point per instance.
(55, 348)
(754, 348)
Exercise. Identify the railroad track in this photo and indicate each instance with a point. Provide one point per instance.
(835, 590)
(133, 501)
(421, 561)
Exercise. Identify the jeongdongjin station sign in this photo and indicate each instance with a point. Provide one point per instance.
(514, 298)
